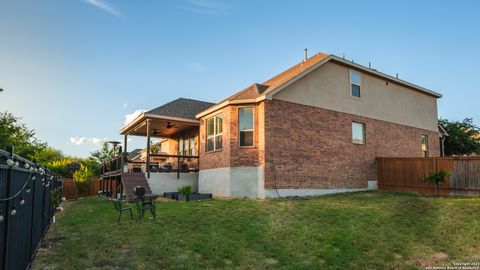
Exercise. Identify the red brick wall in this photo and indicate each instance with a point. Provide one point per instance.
(309, 147)
(217, 159)
(232, 155)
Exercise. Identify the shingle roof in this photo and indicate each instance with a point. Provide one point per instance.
(256, 89)
(134, 153)
(181, 108)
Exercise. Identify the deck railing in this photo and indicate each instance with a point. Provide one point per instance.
(158, 163)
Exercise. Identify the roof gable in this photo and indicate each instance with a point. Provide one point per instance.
(267, 89)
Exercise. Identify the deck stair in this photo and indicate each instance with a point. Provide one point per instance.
(130, 181)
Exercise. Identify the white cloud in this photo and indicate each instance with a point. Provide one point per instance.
(197, 67)
(130, 117)
(86, 140)
(101, 4)
(125, 105)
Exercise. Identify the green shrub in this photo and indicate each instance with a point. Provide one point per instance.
(82, 177)
(437, 178)
(185, 190)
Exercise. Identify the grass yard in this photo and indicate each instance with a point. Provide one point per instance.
(365, 230)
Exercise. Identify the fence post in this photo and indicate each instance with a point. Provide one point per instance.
(32, 218)
(435, 186)
(6, 218)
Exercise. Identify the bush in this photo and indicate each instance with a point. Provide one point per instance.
(82, 177)
(185, 190)
(437, 178)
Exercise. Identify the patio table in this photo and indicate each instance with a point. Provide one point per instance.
(146, 202)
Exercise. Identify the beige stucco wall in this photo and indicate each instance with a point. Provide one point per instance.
(329, 87)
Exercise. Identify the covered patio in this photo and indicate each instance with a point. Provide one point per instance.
(177, 149)
(172, 161)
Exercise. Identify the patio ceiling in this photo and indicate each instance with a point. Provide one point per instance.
(160, 126)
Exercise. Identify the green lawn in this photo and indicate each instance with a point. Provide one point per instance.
(365, 230)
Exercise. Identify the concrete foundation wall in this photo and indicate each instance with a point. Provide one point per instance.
(232, 182)
(285, 192)
(168, 182)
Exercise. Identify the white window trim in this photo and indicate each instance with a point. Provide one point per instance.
(215, 135)
(364, 133)
(252, 129)
(359, 85)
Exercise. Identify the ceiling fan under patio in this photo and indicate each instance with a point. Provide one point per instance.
(169, 126)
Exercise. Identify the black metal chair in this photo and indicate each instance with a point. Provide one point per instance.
(144, 202)
(120, 208)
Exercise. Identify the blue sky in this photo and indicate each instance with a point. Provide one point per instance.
(73, 69)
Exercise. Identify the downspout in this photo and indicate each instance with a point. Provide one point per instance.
(442, 146)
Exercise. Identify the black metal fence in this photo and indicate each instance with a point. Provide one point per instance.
(26, 208)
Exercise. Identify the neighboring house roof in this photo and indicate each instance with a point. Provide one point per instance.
(133, 153)
(442, 130)
(257, 92)
(181, 108)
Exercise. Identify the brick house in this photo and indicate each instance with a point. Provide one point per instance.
(313, 129)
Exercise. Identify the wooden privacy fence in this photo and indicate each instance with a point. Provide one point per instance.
(70, 190)
(408, 174)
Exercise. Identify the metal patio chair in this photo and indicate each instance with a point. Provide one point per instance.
(144, 202)
(120, 207)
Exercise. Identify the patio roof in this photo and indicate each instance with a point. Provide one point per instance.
(168, 119)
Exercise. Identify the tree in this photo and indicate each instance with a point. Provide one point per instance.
(463, 137)
(93, 165)
(13, 132)
(82, 177)
(103, 154)
(437, 178)
(48, 155)
(154, 148)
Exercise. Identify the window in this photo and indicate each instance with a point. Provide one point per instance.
(245, 126)
(192, 145)
(358, 133)
(355, 83)
(186, 145)
(424, 142)
(214, 133)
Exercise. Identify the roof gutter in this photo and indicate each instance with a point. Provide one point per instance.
(226, 103)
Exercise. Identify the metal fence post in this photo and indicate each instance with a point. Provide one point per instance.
(32, 190)
(6, 220)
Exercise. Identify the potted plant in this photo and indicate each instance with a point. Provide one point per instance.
(184, 193)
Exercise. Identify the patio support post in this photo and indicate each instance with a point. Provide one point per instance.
(125, 143)
(148, 148)
(178, 157)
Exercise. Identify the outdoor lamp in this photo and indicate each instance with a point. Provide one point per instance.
(1, 218)
(10, 162)
(27, 165)
(28, 190)
(22, 201)
(13, 212)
